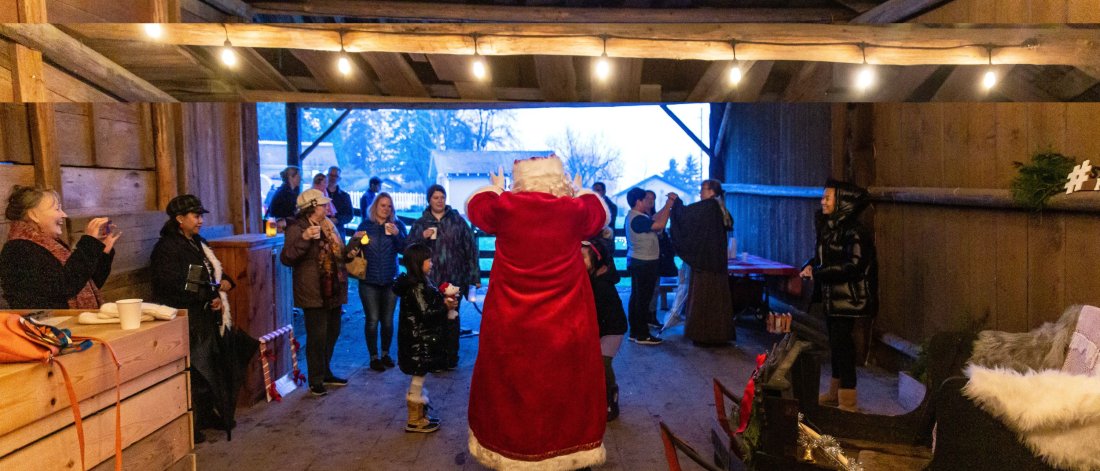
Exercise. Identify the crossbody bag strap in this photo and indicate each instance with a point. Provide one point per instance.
(118, 401)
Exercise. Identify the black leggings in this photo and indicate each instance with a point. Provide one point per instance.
(843, 349)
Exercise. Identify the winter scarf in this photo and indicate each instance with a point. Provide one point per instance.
(88, 297)
(333, 274)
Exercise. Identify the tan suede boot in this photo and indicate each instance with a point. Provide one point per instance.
(830, 398)
(848, 400)
(418, 421)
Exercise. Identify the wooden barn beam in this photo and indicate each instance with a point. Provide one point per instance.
(808, 84)
(322, 65)
(31, 11)
(164, 152)
(897, 11)
(902, 44)
(691, 134)
(557, 78)
(236, 8)
(328, 98)
(257, 72)
(83, 62)
(166, 11)
(27, 75)
(47, 161)
(536, 14)
(395, 75)
(714, 84)
(293, 141)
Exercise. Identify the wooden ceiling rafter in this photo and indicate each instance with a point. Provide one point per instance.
(322, 65)
(431, 11)
(891, 11)
(82, 61)
(907, 44)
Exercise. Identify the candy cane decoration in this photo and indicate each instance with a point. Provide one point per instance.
(267, 355)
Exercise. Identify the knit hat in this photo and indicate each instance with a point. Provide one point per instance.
(312, 197)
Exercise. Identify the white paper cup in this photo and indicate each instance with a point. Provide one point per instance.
(129, 313)
(435, 232)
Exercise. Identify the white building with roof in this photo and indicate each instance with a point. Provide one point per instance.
(462, 172)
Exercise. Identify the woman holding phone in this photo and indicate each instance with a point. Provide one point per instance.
(38, 269)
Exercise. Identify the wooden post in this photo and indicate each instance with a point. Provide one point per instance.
(28, 83)
(250, 166)
(235, 167)
(293, 142)
(164, 152)
(31, 11)
(166, 11)
(47, 165)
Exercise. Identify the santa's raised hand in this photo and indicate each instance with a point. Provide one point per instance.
(497, 179)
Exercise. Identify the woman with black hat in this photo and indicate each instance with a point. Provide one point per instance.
(187, 275)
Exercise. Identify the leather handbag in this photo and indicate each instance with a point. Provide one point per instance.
(357, 267)
(22, 340)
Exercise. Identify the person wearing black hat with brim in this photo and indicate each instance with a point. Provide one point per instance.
(187, 275)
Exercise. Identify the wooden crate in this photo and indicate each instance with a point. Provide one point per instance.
(156, 421)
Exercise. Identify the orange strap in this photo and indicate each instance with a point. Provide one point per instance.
(118, 403)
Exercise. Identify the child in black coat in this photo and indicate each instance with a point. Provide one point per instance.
(420, 332)
(610, 315)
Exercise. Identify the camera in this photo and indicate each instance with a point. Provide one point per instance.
(198, 278)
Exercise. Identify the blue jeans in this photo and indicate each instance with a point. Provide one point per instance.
(378, 304)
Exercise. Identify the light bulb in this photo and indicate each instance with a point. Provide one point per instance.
(479, 68)
(229, 57)
(989, 80)
(603, 68)
(343, 64)
(735, 74)
(153, 30)
(865, 78)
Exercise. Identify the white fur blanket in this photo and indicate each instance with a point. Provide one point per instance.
(1057, 415)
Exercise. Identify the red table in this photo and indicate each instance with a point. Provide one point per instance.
(754, 265)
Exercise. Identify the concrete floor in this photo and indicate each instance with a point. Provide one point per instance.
(360, 426)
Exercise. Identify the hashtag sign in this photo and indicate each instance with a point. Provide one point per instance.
(1078, 177)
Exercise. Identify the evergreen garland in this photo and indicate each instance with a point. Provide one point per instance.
(1044, 177)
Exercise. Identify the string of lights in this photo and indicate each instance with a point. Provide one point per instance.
(864, 79)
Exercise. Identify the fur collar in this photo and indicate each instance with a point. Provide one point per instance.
(1057, 415)
(227, 316)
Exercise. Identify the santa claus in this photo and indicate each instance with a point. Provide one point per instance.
(537, 397)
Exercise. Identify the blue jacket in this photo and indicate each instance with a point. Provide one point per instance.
(382, 251)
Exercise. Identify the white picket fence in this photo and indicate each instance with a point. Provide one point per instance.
(402, 201)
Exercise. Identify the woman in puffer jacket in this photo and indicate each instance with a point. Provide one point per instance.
(420, 332)
(845, 268)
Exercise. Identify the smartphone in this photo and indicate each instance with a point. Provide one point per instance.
(107, 227)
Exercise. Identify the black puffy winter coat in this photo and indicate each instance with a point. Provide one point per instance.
(420, 326)
(844, 264)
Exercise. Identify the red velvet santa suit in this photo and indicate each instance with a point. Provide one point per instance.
(537, 397)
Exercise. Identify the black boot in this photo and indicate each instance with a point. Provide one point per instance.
(612, 403)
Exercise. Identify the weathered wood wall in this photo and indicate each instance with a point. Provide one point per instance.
(783, 145)
(106, 157)
(949, 267)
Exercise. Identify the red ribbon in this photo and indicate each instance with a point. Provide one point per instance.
(294, 344)
(274, 393)
(298, 377)
(750, 392)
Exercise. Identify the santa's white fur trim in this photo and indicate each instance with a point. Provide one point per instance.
(541, 175)
(607, 211)
(485, 189)
(1057, 415)
(575, 460)
(227, 316)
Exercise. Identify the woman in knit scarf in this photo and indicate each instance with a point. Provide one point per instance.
(38, 270)
(316, 254)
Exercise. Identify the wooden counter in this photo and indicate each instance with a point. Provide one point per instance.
(37, 430)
